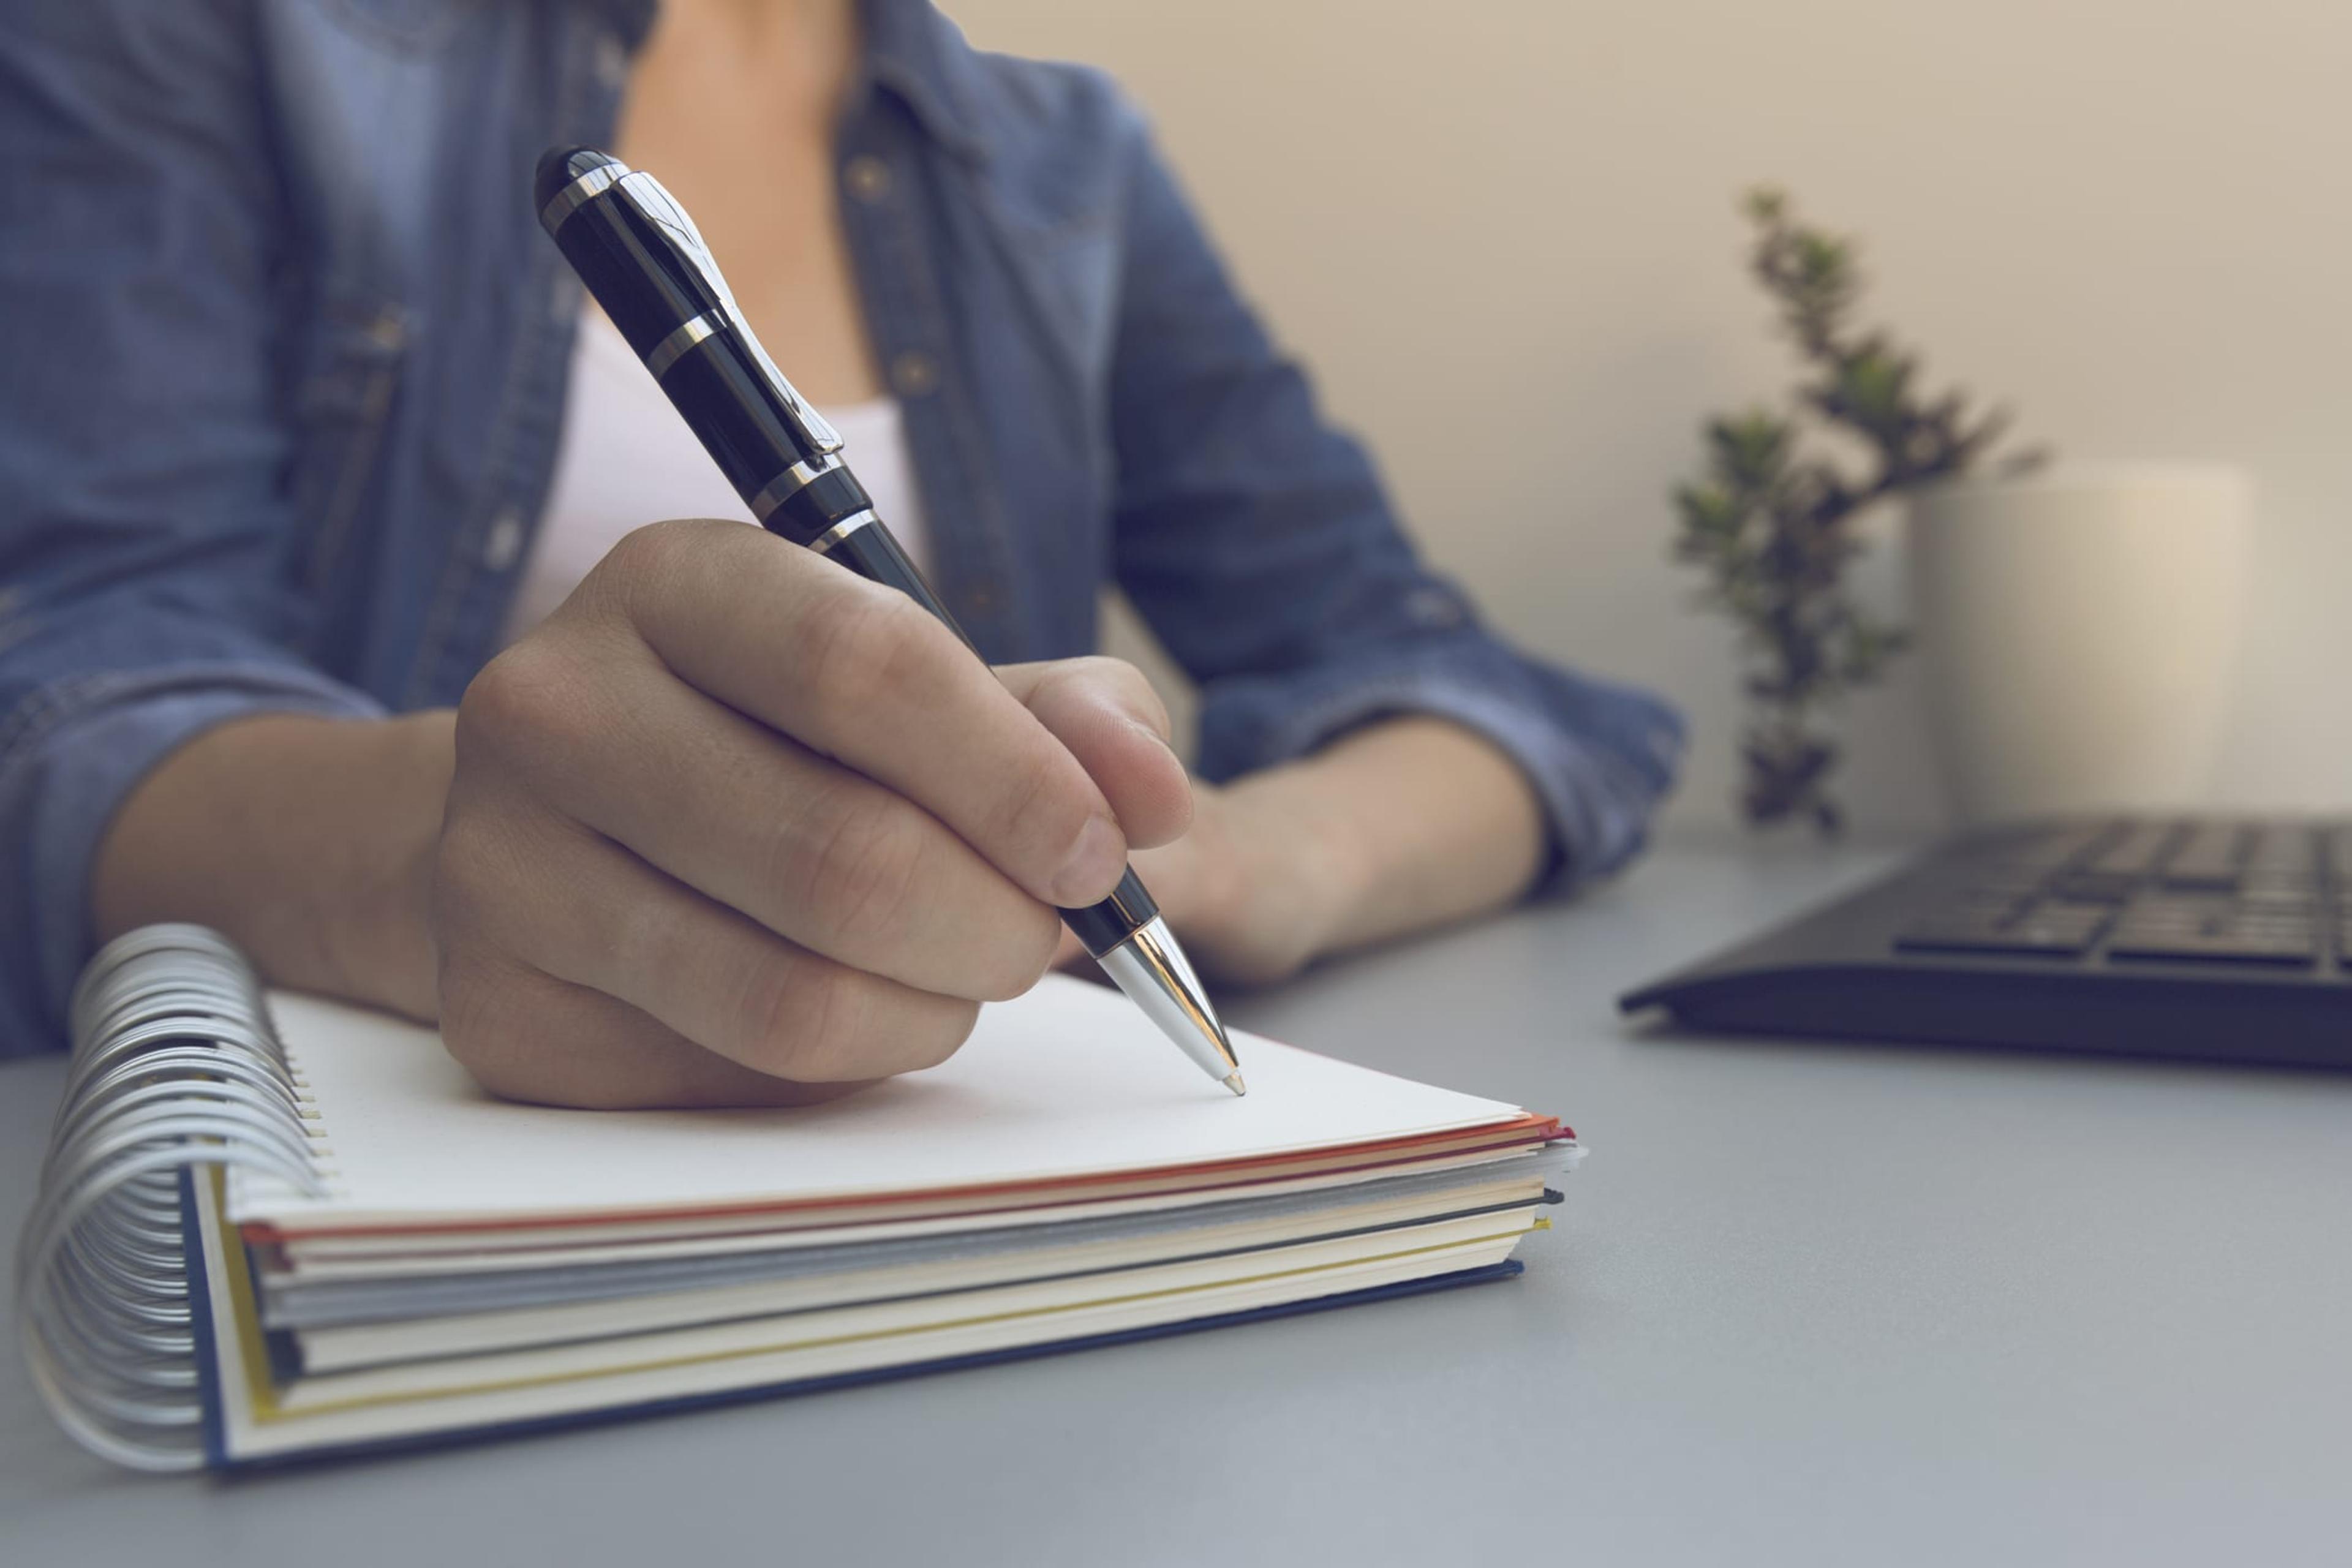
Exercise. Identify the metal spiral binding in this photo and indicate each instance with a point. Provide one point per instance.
(175, 1068)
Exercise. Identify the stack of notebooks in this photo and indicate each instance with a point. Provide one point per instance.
(364, 1250)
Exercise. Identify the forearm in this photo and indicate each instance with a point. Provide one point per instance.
(1418, 822)
(1400, 826)
(309, 842)
(306, 841)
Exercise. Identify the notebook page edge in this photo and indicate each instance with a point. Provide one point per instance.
(1065, 1031)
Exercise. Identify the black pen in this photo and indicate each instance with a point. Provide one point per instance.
(646, 264)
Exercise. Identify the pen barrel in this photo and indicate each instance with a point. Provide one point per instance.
(727, 404)
(777, 454)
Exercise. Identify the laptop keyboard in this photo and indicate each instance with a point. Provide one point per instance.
(2262, 895)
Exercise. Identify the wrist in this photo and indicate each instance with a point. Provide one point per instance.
(1399, 826)
(306, 841)
(380, 945)
(1298, 863)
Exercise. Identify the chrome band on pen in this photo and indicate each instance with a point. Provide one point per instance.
(577, 194)
(667, 351)
(824, 542)
(790, 483)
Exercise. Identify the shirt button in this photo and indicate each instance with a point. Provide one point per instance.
(914, 374)
(502, 545)
(1435, 608)
(612, 62)
(981, 595)
(867, 177)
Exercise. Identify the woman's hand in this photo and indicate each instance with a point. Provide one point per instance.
(735, 825)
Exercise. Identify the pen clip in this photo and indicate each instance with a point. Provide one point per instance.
(662, 210)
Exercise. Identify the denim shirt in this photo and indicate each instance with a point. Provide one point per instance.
(285, 372)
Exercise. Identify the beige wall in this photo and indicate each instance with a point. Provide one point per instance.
(2128, 216)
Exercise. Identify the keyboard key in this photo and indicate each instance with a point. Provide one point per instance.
(2282, 851)
(2047, 931)
(2338, 844)
(2046, 849)
(2214, 931)
(2212, 856)
(2222, 947)
(2153, 891)
(2173, 911)
(2140, 852)
(1992, 884)
(2093, 886)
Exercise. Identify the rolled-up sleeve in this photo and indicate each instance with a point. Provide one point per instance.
(1259, 544)
(146, 585)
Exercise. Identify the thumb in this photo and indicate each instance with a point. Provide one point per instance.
(1115, 724)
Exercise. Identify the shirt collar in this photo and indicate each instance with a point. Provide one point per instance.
(921, 56)
(631, 19)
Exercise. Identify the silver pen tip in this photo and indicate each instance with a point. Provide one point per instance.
(1152, 969)
(1233, 1082)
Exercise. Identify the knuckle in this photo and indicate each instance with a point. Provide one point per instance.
(861, 645)
(649, 551)
(532, 691)
(640, 571)
(859, 873)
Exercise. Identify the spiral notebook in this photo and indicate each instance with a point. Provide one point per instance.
(272, 1228)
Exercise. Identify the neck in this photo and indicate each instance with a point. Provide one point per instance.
(802, 50)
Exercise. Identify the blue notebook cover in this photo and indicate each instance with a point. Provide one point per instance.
(217, 1456)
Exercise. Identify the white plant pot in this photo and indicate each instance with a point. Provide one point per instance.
(2076, 631)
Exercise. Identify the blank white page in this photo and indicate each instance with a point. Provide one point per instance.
(1070, 1081)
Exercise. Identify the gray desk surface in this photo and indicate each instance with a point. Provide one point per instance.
(1806, 1304)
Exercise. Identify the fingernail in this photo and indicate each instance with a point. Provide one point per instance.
(1095, 864)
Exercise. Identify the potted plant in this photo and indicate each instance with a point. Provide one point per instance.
(1772, 519)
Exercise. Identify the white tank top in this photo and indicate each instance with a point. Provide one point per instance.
(625, 460)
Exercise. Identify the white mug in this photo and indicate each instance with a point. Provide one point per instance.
(2076, 629)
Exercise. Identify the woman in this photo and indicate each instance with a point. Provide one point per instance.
(304, 422)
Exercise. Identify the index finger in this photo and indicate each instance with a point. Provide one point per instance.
(864, 674)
